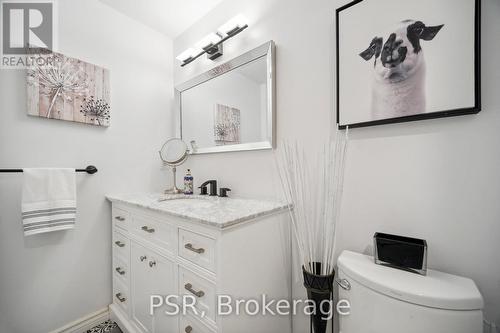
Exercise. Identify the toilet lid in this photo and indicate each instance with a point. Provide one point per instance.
(436, 289)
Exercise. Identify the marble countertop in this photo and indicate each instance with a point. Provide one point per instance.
(213, 211)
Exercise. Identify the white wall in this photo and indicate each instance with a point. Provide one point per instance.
(47, 281)
(435, 179)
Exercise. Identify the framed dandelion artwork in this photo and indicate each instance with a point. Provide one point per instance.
(227, 124)
(69, 89)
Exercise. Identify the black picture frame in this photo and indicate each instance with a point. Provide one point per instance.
(423, 116)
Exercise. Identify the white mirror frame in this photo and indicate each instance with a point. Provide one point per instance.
(266, 50)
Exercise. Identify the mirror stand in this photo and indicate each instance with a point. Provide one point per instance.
(173, 153)
(174, 190)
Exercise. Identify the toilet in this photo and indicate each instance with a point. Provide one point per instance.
(388, 300)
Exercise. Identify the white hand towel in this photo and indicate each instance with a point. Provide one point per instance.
(49, 200)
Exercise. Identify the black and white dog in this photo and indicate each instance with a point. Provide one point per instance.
(398, 87)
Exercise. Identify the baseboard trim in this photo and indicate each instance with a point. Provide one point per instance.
(117, 315)
(83, 324)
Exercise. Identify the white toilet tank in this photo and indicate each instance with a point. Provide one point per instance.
(388, 300)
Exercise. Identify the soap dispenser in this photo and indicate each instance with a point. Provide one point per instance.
(188, 182)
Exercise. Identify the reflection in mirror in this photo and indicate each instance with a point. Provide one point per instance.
(232, 107)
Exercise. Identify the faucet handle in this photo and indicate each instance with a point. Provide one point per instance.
(203, 190)
(223, 192)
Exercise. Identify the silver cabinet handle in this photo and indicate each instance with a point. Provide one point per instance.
(189, 287)
(120, 271)
(188, 329)
(190, 247)
(120, 298)
(142, 258)
(119, 244)
(119, 218)
(344, 284)
(152, 263)
(147, 229)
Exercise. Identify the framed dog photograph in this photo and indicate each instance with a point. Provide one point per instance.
(404, 60)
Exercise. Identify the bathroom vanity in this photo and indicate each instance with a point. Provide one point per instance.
(200, 246)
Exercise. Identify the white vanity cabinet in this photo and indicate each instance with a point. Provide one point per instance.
(171, 249)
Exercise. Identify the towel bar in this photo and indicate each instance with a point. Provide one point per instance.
(90, 170)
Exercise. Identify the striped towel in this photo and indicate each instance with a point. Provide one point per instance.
(49, 200)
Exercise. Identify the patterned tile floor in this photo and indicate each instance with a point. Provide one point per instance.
(107, 327)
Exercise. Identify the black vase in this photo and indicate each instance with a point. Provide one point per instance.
(319, 289)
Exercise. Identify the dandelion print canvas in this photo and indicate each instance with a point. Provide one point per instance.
(69, 89)
(227, 125)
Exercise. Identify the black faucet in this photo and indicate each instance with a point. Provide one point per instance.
(213, 187)
(223, 192)
(203, 190)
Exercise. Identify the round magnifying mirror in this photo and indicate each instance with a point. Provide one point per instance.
(173, 153)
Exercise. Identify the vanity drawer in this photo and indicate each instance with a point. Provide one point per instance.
(188, 324)
(203, 290)
(154, 231)
(197, 248)
(121, 295)
(120, 218)
(121, 270)
(121, 246)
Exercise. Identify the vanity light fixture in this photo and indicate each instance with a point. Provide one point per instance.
(233, 26)
(186, 55)
(212, 43)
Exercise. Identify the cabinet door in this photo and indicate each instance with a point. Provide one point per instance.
(141, 287)
(164, 283)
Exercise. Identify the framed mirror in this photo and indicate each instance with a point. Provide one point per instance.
(230, 107)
